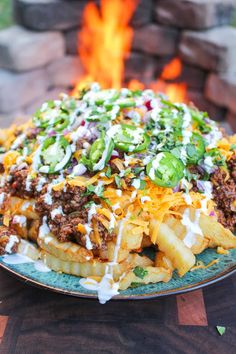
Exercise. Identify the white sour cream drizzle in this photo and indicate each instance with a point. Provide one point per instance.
(12, 240)
(207, 192)
(20, 220)
(28, 183)
(18, 141)
(192, 227)
(87, 226)
(40, 266)
(107, 287)
(44, 228)
(41, 182)
(2, 197)
(16, 258)
(56, 211)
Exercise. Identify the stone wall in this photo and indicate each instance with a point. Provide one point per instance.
(38, 55)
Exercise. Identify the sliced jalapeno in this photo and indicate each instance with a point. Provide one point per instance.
(99, 154)
(54, 117)
(165, 170)
(129, 138)
(122, 103)
(61, 122)
(102, 96)
(55, 154)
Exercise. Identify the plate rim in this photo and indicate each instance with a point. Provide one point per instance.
(188, 288)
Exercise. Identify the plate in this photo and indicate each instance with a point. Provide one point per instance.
(69, 285)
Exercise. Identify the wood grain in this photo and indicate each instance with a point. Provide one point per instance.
(3, 324)
(191, 309)
(45, 322)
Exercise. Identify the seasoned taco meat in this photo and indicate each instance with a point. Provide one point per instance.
(8, 240)
(224, 193)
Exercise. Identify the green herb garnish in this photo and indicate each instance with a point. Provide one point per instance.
(118, 181)
(140, 272)
(221, 330)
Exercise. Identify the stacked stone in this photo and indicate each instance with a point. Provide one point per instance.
(199, 32)
(38, 56)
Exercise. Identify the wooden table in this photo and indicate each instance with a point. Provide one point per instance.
(38, 321)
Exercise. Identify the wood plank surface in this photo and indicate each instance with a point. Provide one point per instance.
(44, 322)
(191, 309)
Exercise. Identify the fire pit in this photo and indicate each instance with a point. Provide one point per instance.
(184, 48)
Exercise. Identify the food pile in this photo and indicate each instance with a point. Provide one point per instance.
(91, 182)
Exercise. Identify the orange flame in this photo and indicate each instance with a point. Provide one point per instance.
(104, 43)
(172, 70)
(105, 40)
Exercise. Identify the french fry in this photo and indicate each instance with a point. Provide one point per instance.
(66, 251)
(154, 275)
(216, 233)
(162, 261)
(131, 239)
(201, 243)
(33, 230)
(181, 256)
(122, 253)
(86, 269)
(28, 249)
(19, 206)
(135, 259)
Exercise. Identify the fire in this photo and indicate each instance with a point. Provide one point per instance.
(104, 43)
(105, 40)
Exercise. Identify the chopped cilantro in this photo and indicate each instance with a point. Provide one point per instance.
(98, 190)
(108, 172)
(137, 170)
(88, 205)
(134, 284)
(127, 172)
(140, 272)
(106, 200)
(118, 181)
(221, 330)
(91, 189)
(142, 184)
(2, 150)
(233, 147)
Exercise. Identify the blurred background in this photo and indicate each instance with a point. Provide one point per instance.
(184, 48)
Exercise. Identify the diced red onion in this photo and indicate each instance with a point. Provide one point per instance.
(212, 213)
(176, 188)
(52, 133)
(148, 105)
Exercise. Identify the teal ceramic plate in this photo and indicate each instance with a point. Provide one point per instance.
(69, 285)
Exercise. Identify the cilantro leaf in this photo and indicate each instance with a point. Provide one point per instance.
(134, 284)
(233, 147)
(137, 170)
(127, 172)
(108, 172)
(140, 272)
(221, 330)
(118, 181)
(142, 184)
(88, 205)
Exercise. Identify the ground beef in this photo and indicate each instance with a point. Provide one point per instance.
(224, 194)
(65, 226)
(5, 234)
(32, 133)
(2, 170)
(72, 199)
(17, 182)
